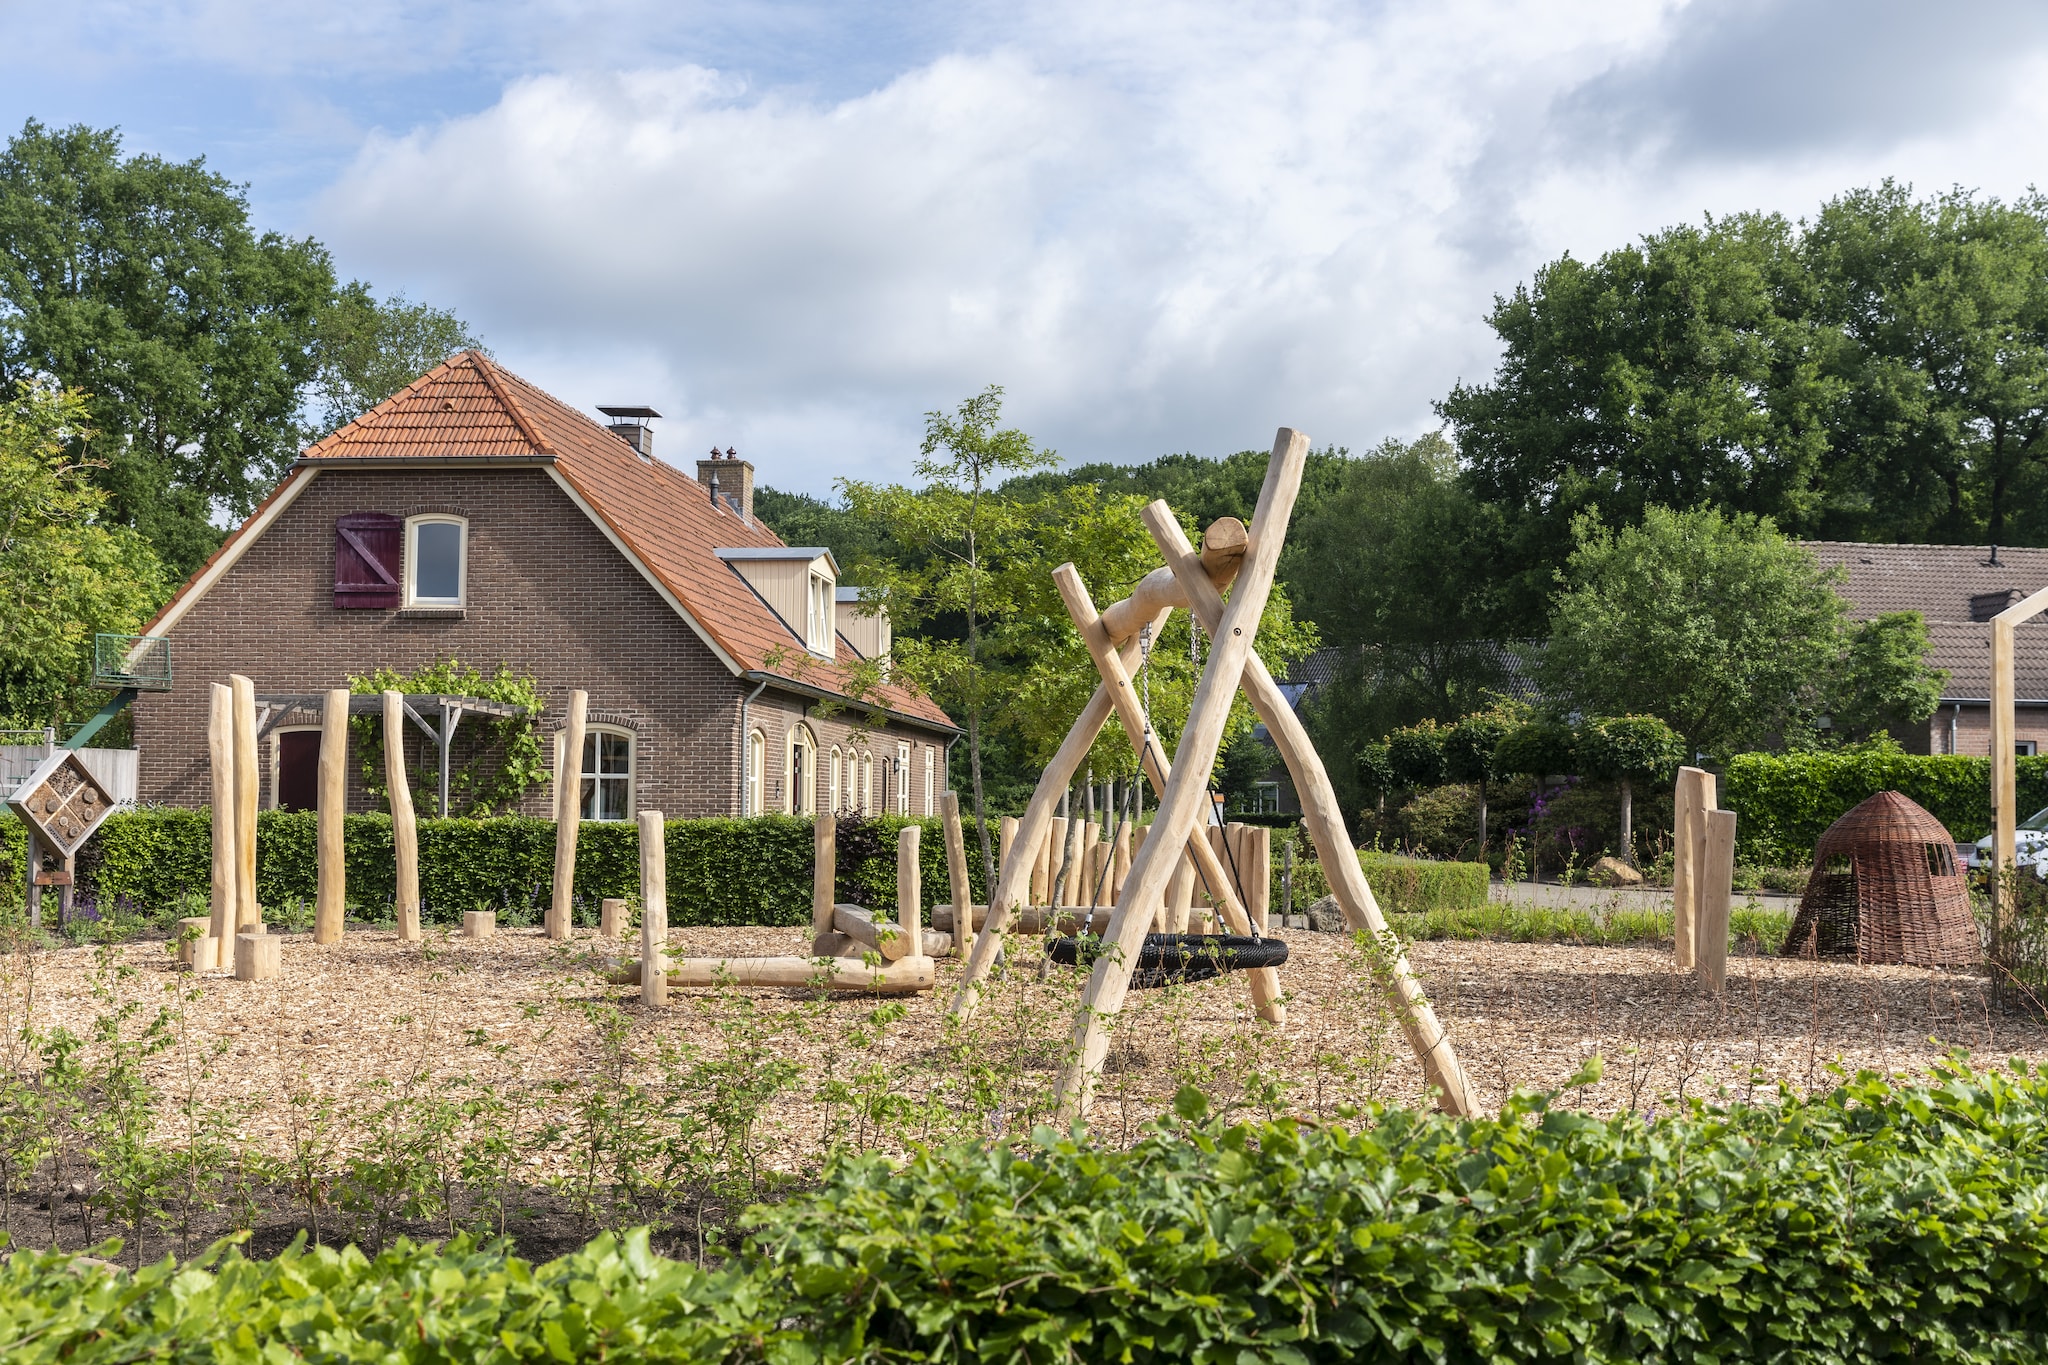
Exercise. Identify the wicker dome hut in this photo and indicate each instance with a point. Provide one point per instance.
(1886, 887)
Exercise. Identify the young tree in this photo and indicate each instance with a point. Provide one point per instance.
(1471, 754)
(1627, 748)
(65, 573)
(370, 350)
(139, 282)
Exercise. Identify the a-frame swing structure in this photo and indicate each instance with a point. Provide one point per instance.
(1194, 581)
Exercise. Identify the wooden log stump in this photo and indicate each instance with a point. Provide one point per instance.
(405, 834)
(653, 910)
(330, 901)
(856, 924)
(568, 817)
(258, 957)
(479, 924)
(1717, 884)
(191, 933)
(611, 917)
(824, 882)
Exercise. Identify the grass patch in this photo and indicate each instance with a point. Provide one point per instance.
(1752, 928)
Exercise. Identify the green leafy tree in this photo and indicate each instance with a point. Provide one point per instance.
(1627, 748)
(1471, 753)
(140, 282)
(1538, 747)
(65, 572)
(1416, 754)
(1716, 624)
(1883, 680)
(1240, 768)
(370, 350)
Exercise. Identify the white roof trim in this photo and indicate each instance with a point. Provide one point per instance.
(805, 552)
(653, 581)
(237, 545)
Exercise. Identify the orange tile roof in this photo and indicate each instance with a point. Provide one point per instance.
(469, 407)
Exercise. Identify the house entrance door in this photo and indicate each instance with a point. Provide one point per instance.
(298, 769)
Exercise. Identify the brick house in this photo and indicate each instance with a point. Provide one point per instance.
(473, 516)
(1957, 589)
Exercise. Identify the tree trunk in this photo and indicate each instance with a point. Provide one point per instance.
(1482, 819)
(1628, 823)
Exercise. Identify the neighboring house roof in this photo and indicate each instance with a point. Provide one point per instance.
(1956, 589)
(469, 408)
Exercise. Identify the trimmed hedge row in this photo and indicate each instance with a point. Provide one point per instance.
(1881, 1222)
(1785, 802)
(720, 871)
(1402, 885)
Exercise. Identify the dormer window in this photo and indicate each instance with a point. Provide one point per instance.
(818, 624)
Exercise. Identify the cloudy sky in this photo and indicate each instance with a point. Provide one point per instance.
(795, 228)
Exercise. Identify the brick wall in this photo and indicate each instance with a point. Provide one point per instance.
(546, 594)
(1973, 730)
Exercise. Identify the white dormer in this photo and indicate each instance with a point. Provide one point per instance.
(799, 583)
(868, 634)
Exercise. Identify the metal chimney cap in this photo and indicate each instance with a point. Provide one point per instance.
(615, 410)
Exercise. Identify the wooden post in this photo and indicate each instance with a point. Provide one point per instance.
(405, 834)
(824, 882)
(1185, 795)
(1690, 804)
(1323, 817)
(611, 917)
(247, 912)
(2004, 773)
(220, 747)
(1255, 868)
(1122, 869)
(192, 939)
(330, 905)
(1006, 842)
(1717, 878)
(910, 889)
(653, 909)
(1041, 871)
(568, 817)
(1180, 894)
(956, 853)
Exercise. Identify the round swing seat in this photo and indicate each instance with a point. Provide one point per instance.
(1175, 959)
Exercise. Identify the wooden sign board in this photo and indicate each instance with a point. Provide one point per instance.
(62, 802)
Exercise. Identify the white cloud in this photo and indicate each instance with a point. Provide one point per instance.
(1160, 226)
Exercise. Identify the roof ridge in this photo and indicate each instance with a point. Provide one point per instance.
(378, 412)
(483, 366)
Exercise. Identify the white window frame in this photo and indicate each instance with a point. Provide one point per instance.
(412, 559)
(902, 778)
(867, 782)
(930, 772)
(804, 802)
(819, 613)
(833, 792)
(590, 733)
(750, 780)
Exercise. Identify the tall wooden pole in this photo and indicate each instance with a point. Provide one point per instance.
(405, 834)
(826, 941)
(247, 912)
(654, 909)
(1184, 799)
(1717, 882)
(910, 891)
(956, 865)
(568, 816)
(330, 905)
(220, 749)
(2004, 775)
(1694, 797)
(1324, 819)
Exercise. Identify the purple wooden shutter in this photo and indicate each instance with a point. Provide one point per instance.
(368, 551)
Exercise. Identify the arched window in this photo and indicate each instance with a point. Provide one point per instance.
(436, 561)
(867, 782)
(930, 774)
(903, 779)
(801, 764)
(757, 761)
(833, 794)
(607, 773)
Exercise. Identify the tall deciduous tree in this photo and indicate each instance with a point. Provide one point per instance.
(140, 282)
(65, 572)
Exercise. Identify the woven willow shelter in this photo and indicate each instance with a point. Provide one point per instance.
(1886, 887)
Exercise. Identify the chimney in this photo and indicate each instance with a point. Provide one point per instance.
(730, 482)
(629, 424)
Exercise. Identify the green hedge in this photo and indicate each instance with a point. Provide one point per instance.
(720, 871)
(1785, 802)
(1876, 1223)
(1401, 885)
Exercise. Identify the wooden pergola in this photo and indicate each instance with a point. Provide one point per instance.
(273, 707)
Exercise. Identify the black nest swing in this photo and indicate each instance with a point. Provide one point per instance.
(1176, 959)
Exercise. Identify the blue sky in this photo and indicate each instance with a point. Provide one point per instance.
(1162, 226)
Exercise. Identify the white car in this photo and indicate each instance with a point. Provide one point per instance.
(2030, 845)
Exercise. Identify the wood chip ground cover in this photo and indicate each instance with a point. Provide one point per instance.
(348, 1020)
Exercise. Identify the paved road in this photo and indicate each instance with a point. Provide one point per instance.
(1552, 895)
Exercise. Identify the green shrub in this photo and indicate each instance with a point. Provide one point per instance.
(1403, 885)
(1785, 802)
(1882, 1221)
(720, 871)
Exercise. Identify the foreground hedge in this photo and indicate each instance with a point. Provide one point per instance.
(720, 871)
(1785, 802)
(1403, 885)
(1877, 1223)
